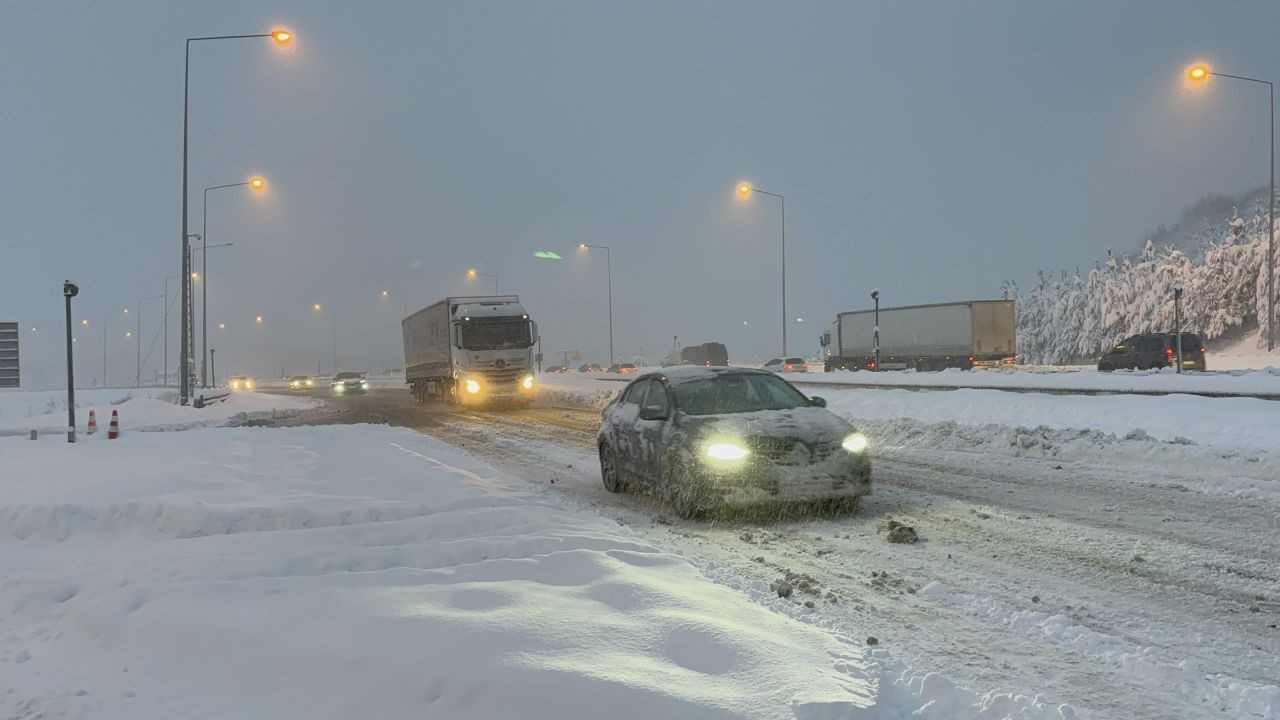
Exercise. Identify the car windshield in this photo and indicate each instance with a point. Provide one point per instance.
(346, 376)
(298, 377)
(496, 335)
(736, 393)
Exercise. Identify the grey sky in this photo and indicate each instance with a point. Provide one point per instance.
(931, 149)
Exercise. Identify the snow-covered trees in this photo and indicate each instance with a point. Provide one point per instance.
(1074, 318)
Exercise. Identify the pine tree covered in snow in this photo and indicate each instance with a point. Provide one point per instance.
(1077, 318)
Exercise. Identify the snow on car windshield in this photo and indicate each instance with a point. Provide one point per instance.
(736, 393)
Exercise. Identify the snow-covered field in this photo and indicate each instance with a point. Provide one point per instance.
(362, 571)
(150, 409)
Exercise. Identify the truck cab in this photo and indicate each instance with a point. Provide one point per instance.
(493, 350)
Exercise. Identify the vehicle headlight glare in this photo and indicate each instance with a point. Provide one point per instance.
(527, 383)
(855, 443)
(726, 451)
(473, 387)
(339, 387)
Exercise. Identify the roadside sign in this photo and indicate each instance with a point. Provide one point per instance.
(9, 376)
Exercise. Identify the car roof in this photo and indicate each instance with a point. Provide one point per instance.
(682, 373)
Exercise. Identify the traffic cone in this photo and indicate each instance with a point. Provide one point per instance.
(93, 424)
(113, 431)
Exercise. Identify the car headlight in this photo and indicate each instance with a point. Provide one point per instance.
(855, 443)
(527, 382)
(726, 451)
(364, 384)
(339, 387)
(473, 387)
(311, 382)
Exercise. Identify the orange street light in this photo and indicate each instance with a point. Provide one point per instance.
(744, 189)
(222, 326)
(257, 183)
(316, 307)
(258, 319)
(282, 36)
(1198, 73)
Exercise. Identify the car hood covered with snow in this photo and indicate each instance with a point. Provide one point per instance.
(812, 425)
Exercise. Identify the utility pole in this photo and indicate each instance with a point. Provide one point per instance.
(875, 295)
(1177, 323)
(213, 372)
(69, 290)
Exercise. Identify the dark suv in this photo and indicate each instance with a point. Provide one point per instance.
(1154, 350)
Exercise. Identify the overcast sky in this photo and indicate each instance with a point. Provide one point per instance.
(931, 149)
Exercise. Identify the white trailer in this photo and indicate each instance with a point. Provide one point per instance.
(470, 350)
(967, 334)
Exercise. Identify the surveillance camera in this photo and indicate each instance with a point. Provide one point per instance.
(70, 289)
(875, 294)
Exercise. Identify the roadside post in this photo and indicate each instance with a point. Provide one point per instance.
(69, 290)
(875, 295)
(1177, 323)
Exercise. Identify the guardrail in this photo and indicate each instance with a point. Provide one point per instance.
(211, 395)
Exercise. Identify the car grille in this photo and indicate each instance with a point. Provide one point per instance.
(791, 451)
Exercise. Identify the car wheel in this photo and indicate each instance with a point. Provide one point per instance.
(609, 470)
(688, 497)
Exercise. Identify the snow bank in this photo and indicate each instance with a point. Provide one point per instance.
(365, 571)
(1265, 381)
(149, 409)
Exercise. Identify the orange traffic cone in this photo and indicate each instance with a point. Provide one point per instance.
(113, 431)
(93, 424)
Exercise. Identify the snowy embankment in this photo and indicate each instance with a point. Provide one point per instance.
(147, 409)
(1169, 426)
(374, 572)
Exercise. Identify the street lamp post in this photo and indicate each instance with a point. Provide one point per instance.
(69, 290)
(137, 380)
(875, 296)
(473, 273)
(1202, 73)
(745, 189)
(166, 328)
(281, 37)
(608, 263)
(256, 183)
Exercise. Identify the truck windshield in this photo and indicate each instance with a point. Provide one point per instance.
(496, 335)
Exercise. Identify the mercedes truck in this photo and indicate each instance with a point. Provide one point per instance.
(471, 350)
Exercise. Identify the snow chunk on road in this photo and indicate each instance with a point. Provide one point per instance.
(361, 571)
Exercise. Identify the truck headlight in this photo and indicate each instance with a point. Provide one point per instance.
(726, 451)
(527, 382)
(855, 443)
(473, 387)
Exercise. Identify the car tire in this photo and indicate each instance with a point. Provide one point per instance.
(689, 498)
(609, 471)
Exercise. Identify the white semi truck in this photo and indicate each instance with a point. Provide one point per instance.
(973, 333)
(470, 350)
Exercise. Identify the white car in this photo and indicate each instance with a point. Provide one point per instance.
(787, 365)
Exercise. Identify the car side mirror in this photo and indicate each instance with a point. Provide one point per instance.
(816, 401)
(652, 414)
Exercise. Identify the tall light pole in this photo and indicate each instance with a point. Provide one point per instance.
(334, 322)
(257, 183)
(744, 190)
(875, 296)
(472, 273)
(137, 381)
(70, 290)
(1202, 73)
(608, 263)
(280, 36)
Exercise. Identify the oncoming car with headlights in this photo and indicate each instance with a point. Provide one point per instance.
(240, 382)
(349, 382)
(710, 437)
(301, 382)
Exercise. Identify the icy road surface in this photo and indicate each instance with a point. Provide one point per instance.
(1131, 578)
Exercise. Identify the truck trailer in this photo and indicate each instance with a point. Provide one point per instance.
(470, 350)
(973, 333)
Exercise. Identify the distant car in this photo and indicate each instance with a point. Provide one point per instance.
(1154, 350)
(787, 365)
(589, 367)
(299, 382)
(349, 382)
(708, 438)
(240, 382)
(619, 368)
(558, 369)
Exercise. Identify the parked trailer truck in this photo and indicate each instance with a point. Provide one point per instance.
(470, 350)
(975, 333)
